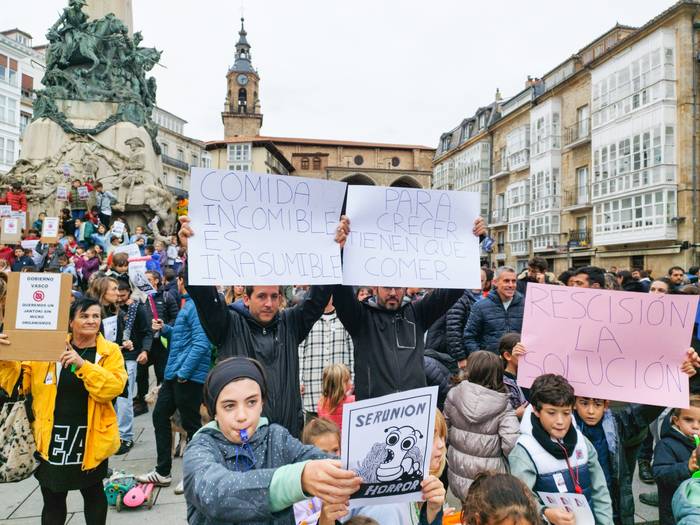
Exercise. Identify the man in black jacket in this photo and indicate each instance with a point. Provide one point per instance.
(258, 329)
(388, 332)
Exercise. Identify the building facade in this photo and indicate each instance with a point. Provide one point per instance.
(595, 162)
(21, 69)
(179, 153)
(354, 162)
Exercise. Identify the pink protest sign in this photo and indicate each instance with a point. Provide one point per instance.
(621, 346)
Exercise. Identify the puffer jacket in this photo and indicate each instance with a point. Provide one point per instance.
(686, 503)
(456, 319)
(439, 369)
(104, 380)
(222, 488)
(389, 344)
(16, 200)
(235, 332)
(489, 320)
(190, 355)
(482, 430)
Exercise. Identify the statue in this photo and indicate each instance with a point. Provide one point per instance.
(134, 170)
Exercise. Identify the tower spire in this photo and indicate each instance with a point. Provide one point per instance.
(242, 62)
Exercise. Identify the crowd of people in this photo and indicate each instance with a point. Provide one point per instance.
(256, 378)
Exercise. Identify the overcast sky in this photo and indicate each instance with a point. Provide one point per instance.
(400, 71)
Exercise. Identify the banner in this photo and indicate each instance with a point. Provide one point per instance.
(622, 346)
(388, 442)
(254, 228)
(411, 237)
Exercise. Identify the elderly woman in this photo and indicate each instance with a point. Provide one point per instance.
(75, 426)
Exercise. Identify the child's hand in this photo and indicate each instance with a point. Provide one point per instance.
(560, 517)
(327, 479)
(519, 350)
(693, 461)
(521, 410)
(691, 363)
(433, 495)
(332, 512)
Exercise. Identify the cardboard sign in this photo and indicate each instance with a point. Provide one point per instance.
(132, 250)
(577, 504)
(5, 210)
(263, 229)
(118, 228)
(388, 442)
(621, 346)
(83, 193)
(37, 310)
(411, 237)
(29, 244)
(22, 216)
(61, 193)
(10, 230)
(49, 230)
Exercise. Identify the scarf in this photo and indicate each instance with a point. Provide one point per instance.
(560, 449)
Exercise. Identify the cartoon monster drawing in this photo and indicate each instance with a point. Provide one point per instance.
(397, 462)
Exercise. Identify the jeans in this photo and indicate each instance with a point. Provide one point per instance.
(158, 357)
(185, 397)
(105, 219)
(125, 406)
(78, 214)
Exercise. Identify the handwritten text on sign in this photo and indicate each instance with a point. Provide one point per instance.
(263, 229)
(411, 237)
(622, 346)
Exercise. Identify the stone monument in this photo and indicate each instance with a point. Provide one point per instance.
(92, 121)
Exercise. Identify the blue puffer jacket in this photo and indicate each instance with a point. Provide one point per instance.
(189, 347)
(685, 504)
(489, 320)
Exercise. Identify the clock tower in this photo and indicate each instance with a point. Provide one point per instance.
(241, 115)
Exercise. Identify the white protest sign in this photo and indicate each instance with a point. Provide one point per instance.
(5, 210)
(10, 226)
(61, 193)
(137, 275)
(49, 227)
(39, 297)
(132, 250)
(388, 442)
(411, 237)
(576, 504)
(110, 328)
(263, 229)
(118, 228)
(83, 193)
(29, 244)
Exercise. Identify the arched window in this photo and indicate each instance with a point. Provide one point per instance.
(242, 101)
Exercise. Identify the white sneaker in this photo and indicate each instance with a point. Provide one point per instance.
(180, 489)
(155, 478)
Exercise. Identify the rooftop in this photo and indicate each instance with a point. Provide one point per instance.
(318, 142)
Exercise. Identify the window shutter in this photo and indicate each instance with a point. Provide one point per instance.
(3, 60)
(27, 82)
(13, 64)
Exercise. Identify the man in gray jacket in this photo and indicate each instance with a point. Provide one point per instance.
(103, 201)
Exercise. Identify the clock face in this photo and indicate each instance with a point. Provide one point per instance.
(242, 80)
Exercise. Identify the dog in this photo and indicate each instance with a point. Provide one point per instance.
(178, 445)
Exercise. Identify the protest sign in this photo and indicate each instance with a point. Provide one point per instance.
(22, 216)
(5, 210)
(61, 193)
(110, 327)
(10, 231)
(37, 310)
(29, 244)
(388, 442)
(137, 274)
(83, 193)
(622, 346)
(411, 237)
(118, 228)
(576, 504)
(263, 229)
(132, 250)
(49, 230)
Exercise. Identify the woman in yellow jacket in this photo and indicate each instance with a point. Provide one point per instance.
(75, 426)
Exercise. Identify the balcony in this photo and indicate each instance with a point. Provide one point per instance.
(175, 163)
(498, 216)
(578, 199)
(520, 248)
(578, 134)
(643, 179)
(545, 243)
(543, 204)
(580, 238)
(500, 167)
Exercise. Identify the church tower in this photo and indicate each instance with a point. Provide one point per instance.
(241, 115)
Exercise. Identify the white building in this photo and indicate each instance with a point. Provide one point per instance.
(635, 168)
(21, 69)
